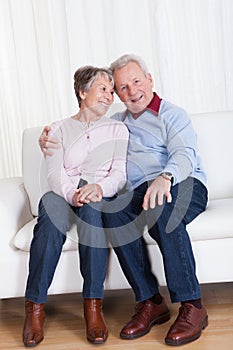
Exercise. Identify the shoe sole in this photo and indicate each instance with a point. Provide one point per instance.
(188, 340)
(100, 341)
(32, 345)
(159, 320)
(97, 341)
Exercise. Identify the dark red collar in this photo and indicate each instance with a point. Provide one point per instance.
(153, 106)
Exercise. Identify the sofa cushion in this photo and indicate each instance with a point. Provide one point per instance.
(22, 239)
(215, 223)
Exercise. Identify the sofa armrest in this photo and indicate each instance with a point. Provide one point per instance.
(14, 209)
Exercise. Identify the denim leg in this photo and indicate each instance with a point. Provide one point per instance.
(135, 263)
(93, 249)
(124, 229)
(54, 220)
(168, 228)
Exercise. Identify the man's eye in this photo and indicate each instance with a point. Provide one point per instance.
(123, 88)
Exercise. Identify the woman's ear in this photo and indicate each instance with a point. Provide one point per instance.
(82, 94)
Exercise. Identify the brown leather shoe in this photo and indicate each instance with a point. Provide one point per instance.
(34, 323)
(97, 332)
(146, 315)
(188, 325)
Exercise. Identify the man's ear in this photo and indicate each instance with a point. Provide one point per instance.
(149, 77)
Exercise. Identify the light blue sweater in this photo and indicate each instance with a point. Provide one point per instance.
(161, 141)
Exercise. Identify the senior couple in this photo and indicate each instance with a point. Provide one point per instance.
(88, 156)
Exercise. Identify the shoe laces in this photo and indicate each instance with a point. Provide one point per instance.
(140, 310)
(185, 313)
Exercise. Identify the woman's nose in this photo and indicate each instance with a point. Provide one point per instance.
(108, 96)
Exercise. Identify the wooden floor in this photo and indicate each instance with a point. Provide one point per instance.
(65, 328)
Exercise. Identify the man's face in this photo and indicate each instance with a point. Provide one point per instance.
(133, 87)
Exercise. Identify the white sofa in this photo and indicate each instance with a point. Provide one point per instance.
(211, 233)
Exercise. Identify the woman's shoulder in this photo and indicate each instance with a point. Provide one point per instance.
(111, 121)
(61, 124)
(116, 123)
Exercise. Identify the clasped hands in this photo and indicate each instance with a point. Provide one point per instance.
(86, 194)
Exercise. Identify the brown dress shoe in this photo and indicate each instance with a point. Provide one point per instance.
(146, 315)
(97, 332)
(34, 323)
(188, 325)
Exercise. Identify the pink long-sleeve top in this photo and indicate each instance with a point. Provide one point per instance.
(96, 153)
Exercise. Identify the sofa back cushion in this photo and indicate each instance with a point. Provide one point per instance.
(215, 143)
(34, 167)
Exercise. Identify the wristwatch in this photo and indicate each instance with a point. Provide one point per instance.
(167, 176)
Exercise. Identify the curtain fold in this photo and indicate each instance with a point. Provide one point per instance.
(194, 53)
(187, 46)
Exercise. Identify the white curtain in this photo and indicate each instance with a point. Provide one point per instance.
(187, 45)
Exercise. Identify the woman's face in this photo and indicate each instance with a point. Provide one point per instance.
(100, 96)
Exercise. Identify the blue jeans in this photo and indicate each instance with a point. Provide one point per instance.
(167, 225)
(54, 220)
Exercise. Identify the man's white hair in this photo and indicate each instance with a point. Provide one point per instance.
(125, 59)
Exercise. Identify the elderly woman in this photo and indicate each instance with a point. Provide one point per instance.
(84, 174)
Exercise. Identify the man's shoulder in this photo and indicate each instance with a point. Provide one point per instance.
(170, 110)
(167, 106)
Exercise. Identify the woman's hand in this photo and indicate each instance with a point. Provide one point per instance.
(86, 194)
(156, 192)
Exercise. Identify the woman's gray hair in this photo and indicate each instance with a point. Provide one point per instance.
(125, 59)
(85, 76)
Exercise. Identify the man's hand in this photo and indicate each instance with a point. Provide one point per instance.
(46, 142)
(156, 192)
(86, 194)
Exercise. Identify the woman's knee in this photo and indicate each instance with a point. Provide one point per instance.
(91, 214)
(54, 210)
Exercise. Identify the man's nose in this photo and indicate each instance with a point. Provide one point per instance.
(132, 90)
